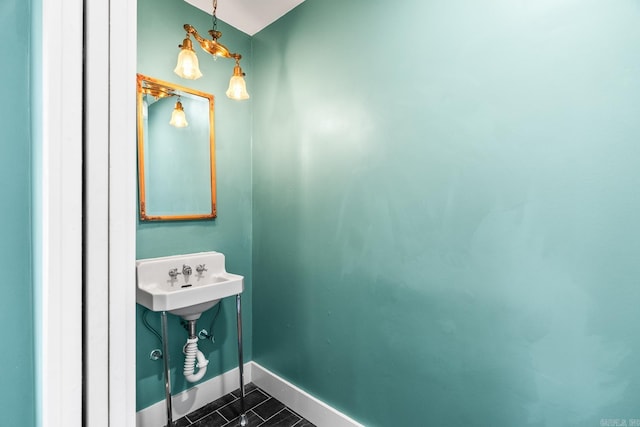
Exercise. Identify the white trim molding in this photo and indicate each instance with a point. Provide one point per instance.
(310, 407)
(60, 325)
(110, 389)
(122, 207)
(110, 316)
(295, 398)
(194, 398)
(96, 233)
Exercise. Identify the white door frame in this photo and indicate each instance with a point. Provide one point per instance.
(60, 322)
(110, 186)
(122, 212)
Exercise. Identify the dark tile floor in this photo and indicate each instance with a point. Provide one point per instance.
(262, 410)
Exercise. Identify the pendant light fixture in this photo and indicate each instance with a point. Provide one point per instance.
(178, 118)
(188, 68)
(237, 86)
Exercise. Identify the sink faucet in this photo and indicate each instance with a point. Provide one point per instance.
(200, 268)
(186, 270)
(173, 273)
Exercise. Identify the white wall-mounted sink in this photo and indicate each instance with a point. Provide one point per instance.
(163, 284)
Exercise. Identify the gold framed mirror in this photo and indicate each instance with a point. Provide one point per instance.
(176, 152)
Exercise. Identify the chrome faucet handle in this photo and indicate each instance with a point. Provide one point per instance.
(173, 273)
(186, 270)
(200, 268)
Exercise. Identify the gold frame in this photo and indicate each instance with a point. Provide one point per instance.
(162, 88)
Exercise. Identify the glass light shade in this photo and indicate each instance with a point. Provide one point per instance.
(237, 88)
(187, 66)
(178, 118)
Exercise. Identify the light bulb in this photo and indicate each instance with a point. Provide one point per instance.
(178, 118)
(237, 86)
(187, 66)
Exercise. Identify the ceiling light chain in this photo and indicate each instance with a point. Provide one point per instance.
(214, 17)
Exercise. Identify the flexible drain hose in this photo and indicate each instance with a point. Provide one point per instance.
(192, 353)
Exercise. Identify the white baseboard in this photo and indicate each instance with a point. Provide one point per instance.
(311, 408)
(194, 398)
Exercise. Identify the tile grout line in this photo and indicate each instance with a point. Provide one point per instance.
(209, 413)
(230, 403)
(257, 415)
(223, 417)
(272, 416)
(262, 421)
(300, 416)
(246, 409)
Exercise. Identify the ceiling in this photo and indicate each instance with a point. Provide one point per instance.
(249, 16)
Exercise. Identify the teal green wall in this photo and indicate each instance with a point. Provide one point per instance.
(446, 209)
(17, 393)
(159, 33)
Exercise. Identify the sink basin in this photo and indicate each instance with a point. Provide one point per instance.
(183, 294)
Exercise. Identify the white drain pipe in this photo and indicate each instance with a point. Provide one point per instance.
(192, 353)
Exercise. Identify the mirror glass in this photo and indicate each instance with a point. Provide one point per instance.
(176, 165)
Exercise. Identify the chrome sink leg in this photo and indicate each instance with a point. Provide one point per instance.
(165, 358)
(243, 415)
